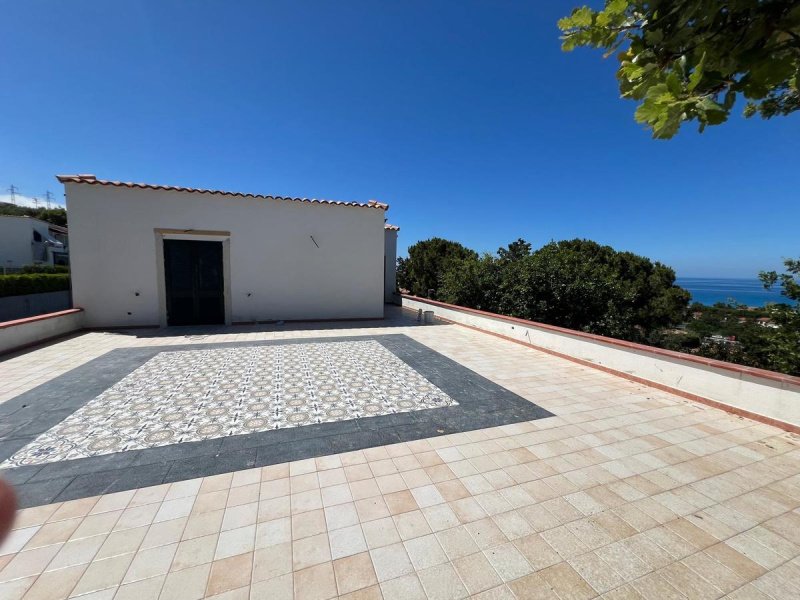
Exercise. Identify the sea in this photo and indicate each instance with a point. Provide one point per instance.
(750, 292)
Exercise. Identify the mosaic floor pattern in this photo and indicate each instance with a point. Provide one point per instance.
(185, 396)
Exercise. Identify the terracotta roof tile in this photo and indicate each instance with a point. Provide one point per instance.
(92, 180)
(391, 227)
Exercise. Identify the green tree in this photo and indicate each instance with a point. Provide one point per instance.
(56, 216)
(689, 60)
(473, 282)
(582, 285)
(514, 251)
(427, 261)
(784, 343)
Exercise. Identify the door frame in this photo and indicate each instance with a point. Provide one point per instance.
(195, 235)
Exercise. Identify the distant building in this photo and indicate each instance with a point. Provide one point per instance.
(27, 241)
(721, 340)
(766, 322)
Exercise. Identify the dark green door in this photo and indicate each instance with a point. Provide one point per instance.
(195, 288)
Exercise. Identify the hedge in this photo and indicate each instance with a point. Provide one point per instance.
(45, 269)
(33, 283)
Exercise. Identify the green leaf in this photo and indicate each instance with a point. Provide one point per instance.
(674, 84)
(697, 74)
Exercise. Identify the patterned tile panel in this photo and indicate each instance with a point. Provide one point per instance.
(186, 396)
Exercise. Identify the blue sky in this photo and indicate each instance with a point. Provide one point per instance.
(466, 117)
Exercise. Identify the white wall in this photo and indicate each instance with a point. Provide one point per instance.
(742, 389)
(113, 254)
(16, 235)
(390, 265)
(38, 329)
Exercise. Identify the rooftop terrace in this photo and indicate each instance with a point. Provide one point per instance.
(389, 459)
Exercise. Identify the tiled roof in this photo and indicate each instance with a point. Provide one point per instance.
(92, 180)
(391, 227)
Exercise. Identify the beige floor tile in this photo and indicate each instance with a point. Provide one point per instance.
(56, 584)
(305, 501)
(442, 583)
(531, 587)
(411, 524)
(354, 573)
(235, 541)
(315, 583)
(150, 562)
(346, 541)
(380, 532)
(16, 588)
(167, 532)
(390, 562)
(17, 539)
(407, 587)
(566, 582)
(239, 516)
(400, 502)
(365, 488)
(537, 551)
(203, 524)
(244, 494)
(279, 588)
(425, 551)
(194, 552)
(330, 477)
(477, 573)
(467, 510)
(336, 494)
(304, 483)
(440, 517)
(54, 533)
(229, 573)
(272, 561)
(274, 508)
(372, 508)
(486, 533)
(270, 533)
(174, 509)
(457, 542)
(369, 593)
(509, 562)
(308, 523)
(144, 589)
(596, 572)
(310, 551)
(103, 574)
(186, 584)
(29, 562)
(341, 515)
(513, 524)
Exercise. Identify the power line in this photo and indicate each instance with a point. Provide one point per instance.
(48, 198)
(13, 191)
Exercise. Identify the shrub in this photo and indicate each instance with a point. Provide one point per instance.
(45, 269)
(33, 283)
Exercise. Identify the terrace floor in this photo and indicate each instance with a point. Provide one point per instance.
(378, 459)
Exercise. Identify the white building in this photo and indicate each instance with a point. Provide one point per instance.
(144, 255)
(27, 241)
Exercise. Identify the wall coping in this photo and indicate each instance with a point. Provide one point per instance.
(44, 317)
(593, 337)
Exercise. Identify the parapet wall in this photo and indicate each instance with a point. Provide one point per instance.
(22, 333)
(766, 396)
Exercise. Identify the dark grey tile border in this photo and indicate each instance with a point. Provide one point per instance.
(482, 403)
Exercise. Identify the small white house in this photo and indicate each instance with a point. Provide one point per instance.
(27, 241)
(149, 255)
